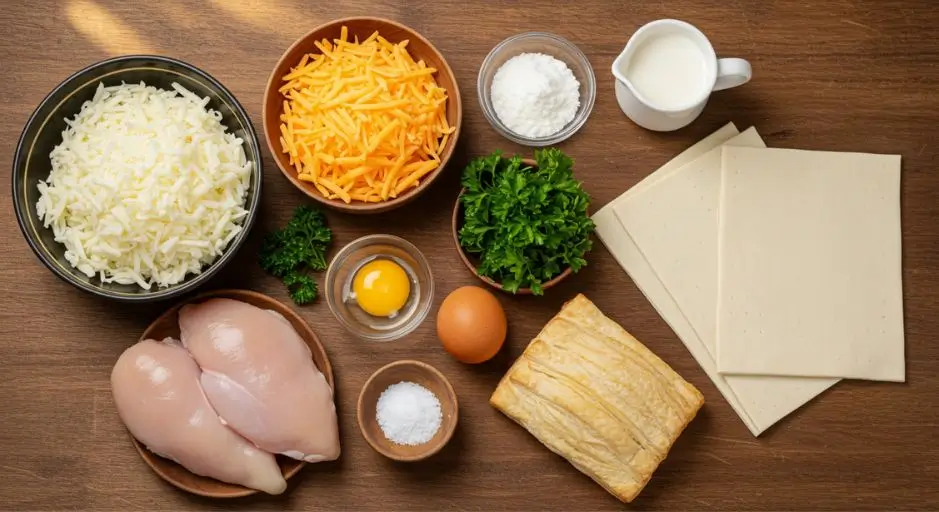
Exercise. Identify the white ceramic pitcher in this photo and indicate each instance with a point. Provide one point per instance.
(719, 73)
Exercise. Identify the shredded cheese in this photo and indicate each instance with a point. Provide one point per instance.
(362, 121)
(146, 186)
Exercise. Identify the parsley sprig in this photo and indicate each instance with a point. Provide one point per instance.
(526, 225)
(300, 247)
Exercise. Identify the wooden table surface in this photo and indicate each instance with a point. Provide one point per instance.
(849, 76)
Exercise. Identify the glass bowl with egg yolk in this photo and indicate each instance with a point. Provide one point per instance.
(379, 287)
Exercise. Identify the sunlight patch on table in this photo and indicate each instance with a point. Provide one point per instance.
(104, 29)
(258, 13)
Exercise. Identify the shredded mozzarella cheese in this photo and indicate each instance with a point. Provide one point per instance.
(146, 186)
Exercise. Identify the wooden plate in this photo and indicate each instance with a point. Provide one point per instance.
(406, 371)
(168, 325)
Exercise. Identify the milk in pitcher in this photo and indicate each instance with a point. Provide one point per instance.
(669, 71)
(666, 73)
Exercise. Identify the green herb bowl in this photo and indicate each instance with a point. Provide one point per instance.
(472, 262)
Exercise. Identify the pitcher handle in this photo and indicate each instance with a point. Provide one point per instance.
(732, 72)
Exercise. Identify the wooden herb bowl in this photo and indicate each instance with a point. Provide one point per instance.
(406, 371)
(472, 262)
(419, 48)
(168, 325)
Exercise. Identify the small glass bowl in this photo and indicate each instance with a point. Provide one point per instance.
(342, 303)
(548, 44)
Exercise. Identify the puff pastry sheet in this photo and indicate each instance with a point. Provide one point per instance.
(590, 392)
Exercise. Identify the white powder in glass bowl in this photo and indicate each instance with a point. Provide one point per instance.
(535, 95)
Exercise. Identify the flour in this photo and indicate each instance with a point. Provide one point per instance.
(535, 95)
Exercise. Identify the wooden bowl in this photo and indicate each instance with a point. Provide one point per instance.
(168, 325)
(418, 373)
(472, 262)
(419, 48)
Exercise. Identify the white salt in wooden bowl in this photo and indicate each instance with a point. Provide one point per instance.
(406, 371)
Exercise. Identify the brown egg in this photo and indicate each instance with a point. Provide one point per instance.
(471, 324)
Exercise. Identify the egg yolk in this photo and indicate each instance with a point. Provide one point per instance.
(381, 287)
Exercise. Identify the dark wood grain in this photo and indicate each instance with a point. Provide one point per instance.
(840, 75)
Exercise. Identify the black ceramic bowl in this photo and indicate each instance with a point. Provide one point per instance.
(44, 130)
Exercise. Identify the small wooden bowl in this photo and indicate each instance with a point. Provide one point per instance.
(168, 325)
(471, 261)
(418, 373)
(419, 48)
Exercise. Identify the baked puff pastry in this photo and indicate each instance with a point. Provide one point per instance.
(593, 394)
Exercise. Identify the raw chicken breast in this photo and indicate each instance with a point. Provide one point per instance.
(259, 375)
(156, 390)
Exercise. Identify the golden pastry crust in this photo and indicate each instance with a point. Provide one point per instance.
(590, 392)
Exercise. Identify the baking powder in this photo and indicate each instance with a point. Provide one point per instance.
(408, 413)
(535, 95)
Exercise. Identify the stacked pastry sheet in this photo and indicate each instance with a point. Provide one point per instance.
(598, 397)
(779, 269)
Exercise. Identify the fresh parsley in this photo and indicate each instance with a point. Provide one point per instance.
(526, 225)
(300, 247)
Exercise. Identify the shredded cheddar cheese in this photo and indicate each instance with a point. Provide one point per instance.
(362, 121)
